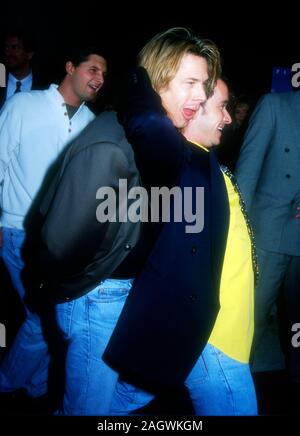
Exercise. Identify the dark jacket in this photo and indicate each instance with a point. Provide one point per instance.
(172, 307)
(268, 172)
(78, 251)
(38, 83)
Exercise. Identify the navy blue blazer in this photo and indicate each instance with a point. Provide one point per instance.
(170, 312)
(37, 83)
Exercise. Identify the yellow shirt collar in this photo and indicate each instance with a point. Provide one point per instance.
(201, 146)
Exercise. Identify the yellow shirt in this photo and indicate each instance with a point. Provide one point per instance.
(234, 326)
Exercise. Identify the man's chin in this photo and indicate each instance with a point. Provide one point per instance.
(180, 124)
(90, 97)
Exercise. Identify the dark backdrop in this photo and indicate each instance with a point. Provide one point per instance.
(250, 41)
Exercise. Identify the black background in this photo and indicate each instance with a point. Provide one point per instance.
(250, 39)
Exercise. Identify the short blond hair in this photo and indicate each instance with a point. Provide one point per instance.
(161, 56)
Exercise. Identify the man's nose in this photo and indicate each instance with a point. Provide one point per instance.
(199, 93)
(227, 117)
(100, 77)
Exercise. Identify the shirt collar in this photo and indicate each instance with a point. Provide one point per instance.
(25, 81)
(53, 90)
(200, 146)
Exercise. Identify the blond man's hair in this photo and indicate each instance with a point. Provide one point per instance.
(161, 56)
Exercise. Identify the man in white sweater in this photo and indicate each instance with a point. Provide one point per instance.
(35, 127)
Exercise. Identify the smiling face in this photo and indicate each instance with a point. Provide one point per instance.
(87, 78)
(207, 126)
(185, 93)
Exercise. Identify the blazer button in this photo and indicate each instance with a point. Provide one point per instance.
(67, 298)
(41, 285)
(194, 249)
(288, 176)
(127, 247)
(286, 150)
(193, 297)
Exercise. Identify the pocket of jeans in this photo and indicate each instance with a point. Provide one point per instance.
(199, 373)
(107, 295)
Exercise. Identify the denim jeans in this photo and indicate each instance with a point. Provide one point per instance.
(13, 240)
(87, 324)
(218, 385)
(26, 363)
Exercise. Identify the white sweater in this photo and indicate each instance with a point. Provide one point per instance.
(34, 128)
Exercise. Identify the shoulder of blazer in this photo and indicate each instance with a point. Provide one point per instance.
(39, 83)
(295, 97)
(279, 98)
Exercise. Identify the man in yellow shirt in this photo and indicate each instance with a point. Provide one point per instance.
(222, 373)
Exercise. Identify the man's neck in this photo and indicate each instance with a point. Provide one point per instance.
(22, 72)
(68, 94)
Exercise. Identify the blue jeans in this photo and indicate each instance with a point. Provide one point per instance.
(13, 240)
(87, 324)
(218, 385)
(26, 363)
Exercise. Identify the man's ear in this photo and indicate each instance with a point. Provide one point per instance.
(30, 55)
(70, 68)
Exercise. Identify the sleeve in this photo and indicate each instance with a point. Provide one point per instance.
(10, 128)
(158, 146)
(71, 234)
(254, 149)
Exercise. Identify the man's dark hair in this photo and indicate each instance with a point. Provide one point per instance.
(78, 54)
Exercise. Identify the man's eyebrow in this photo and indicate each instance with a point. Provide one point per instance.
(194, 79)
(97, 68)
